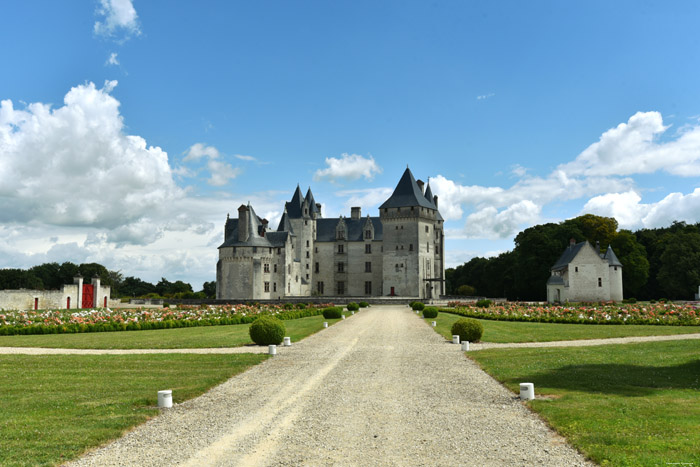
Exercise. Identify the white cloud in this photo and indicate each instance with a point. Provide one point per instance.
(367, 198)
(485, 96)
(112, 60)
(117, 16)
(199, 150)
(349, 167)
(505, 223)
(245, 158)
(635, 148)
(221, 172)
(75, 165)
(631, 213)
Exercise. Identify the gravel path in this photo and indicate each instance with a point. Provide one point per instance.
(380, 388)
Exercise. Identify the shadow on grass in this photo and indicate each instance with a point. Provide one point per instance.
(619, 379)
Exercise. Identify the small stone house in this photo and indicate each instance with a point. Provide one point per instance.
(583, 274)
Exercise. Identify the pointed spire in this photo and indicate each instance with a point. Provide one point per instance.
(611, 257)
(407, 193)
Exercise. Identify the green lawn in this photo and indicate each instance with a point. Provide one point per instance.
(180, 338)
(514, 331)
(631, 404)
(55, 407)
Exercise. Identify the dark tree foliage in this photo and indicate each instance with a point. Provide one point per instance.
(209, 289)
(679, 275)
(633, 256)
(135, 287)
(19, 279)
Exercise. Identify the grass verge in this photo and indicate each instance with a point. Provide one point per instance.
(518, 331)
(53, 408)
(180, 338)
(631, 404)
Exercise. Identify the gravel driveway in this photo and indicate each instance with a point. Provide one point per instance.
(380, 388)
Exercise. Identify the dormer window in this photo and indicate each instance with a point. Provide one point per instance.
(368, 234)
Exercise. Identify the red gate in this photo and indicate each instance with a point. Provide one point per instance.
(88, 296)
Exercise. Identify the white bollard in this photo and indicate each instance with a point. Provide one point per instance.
(455, 338)
(465, 345)
(272, 349)
(352, 312)
(343, 316)
(325, 324)
(287, 341)
(434, 323)
(527, 391)
(165, 399)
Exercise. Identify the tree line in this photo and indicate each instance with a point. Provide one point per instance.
(657, 263)
(52, 276)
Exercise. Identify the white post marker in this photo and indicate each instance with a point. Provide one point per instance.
(272, 349)
(434, 323)
(465, 345)
(343, 316)
(352, 312)
(287, 341)
(527, 391)
(325, 324)
(455, 338)
(165, 399)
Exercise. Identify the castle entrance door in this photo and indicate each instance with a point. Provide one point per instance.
(88, 296)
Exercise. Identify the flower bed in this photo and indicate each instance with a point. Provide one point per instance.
(134, 319)
(657, 313)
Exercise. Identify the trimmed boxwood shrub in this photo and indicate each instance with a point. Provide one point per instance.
(352, 306)
(364, 304)
(417, 306)
(430, 312)
(484, 303)
(468, 329)
(267, 330)
(332, 312)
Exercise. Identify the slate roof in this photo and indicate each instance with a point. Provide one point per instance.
(611, 257)
(325, 229)
(568, 255)
(294, 206)
(572, 250)
(254, 231)
(407, 193)
(555, 280)
(312, 202)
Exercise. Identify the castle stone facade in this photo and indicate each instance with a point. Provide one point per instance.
(399, 253)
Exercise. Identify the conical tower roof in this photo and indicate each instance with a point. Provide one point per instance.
(611, 257)
(407, 193)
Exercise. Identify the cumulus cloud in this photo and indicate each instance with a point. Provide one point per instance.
(117, 16)
(220, 172)
(245, 158)
(485, 96)
(635, 148)
(505, 223)
(75, 165)
(631, 213)
(348, 167)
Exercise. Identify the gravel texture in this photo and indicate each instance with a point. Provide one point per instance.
(380, 388)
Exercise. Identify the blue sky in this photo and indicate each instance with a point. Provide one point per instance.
(128, 130)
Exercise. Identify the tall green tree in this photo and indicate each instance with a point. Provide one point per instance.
(635, 266)
(594, 228)
(679, 275)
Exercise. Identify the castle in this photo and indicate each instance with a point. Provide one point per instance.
(583, 274)
(399, 253)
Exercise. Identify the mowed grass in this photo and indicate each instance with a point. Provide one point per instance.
(622, 405)
(55, 407)
(180, 338)
(514, 331)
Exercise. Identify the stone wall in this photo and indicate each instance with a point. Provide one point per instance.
(69, 297)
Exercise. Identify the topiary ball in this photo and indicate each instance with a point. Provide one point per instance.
(267, 330)
(430, 312)
(352, 306)
(418, 306)
(332, 312)
(468, 329)
(364, 304)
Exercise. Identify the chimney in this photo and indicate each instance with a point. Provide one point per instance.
(597, 246)
(243, 214)
(420, 185)
(435, 201)
(264, 223)
(355, 212)
(318, 206)
(572, 242)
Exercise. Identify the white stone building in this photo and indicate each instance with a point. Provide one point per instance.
(399, 253)
(583, 274)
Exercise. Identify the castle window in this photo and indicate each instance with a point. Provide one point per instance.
(279, 251)
(316, 266)
(307, 266)
(306, 222)
(386, 210)
(341, 267)
(402, 227)
(368, 287)
(368, 248)
(397, 227)
(315, 249)
(341, 288)
(307, 254)
(296, 278)
(600, 282)
(307, 244)
(411, 208)
(428, 246)
(234, 250)
(368, 234)
(402, 247)
(289, 269)
(368, 266)
(319, 287)
(576, 269)
(307, 276)
(270, 250)
(341, 249)
(274, 286)
(615, 268)
(266, 267)
(267, 286)
(275, 266)
(427, 229)
(306, 211)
